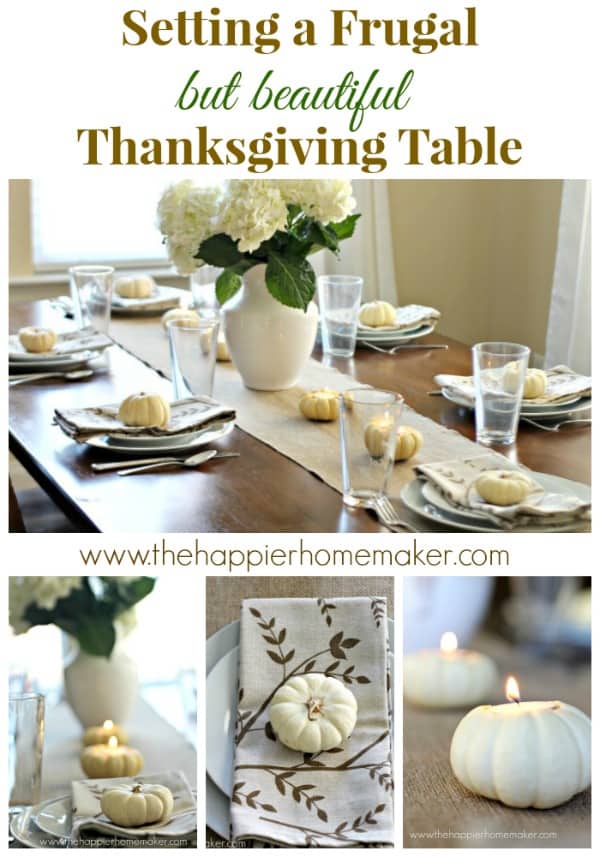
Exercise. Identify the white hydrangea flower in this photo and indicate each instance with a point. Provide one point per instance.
(44, 592)
(327, 200)
(252, 211)
(186, 217)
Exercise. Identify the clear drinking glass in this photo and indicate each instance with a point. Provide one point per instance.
(499, 374)
(193, 349)
(91, 293)
(202, 285)
(339, 303)
(25, 749)
(368, 427)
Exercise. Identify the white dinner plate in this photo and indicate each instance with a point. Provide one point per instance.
(413, 498)
(25, 831)
(221, 712)
(538, 412)
(142, 446)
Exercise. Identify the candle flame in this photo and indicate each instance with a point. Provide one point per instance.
(448, 642)
(113, 741)
(108, 724)
(512, 689)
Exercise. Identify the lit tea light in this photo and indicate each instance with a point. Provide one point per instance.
(448, 677)
(111, 760)
(102, 734)
(523, 754)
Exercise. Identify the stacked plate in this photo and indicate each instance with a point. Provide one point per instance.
(22, 362)
(426, 500)
(48, 825)
(222, 661)
(389, 338)
(550, 412)
(164, 445)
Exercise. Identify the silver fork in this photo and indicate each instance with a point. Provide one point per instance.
(555, 426)
(407, 347)
(388, 516)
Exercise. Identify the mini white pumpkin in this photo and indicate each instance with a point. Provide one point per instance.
(528, 754)
(181, 314)
(138, 805)
(534, 384)
(313, 713)
(134, 287)
(37, 340)
(145, 409)
(433, 680)
(320, 405)
(503, 487)
(408, 440)
(377, 314)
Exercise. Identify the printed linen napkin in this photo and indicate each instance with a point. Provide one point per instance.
(338, 798)
(407, 317)
(562, 383)
(88, 818)
(187, 415)
(67, 343)
(455, 481)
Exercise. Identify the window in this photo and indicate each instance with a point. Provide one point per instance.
(111, 220)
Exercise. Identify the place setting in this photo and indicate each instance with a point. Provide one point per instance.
(79, 777)
(292, 777)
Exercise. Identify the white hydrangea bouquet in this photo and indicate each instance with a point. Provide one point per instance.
(252, 222)
(91, 609)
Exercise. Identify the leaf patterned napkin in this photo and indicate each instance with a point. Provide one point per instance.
(338, 798)
(187, 415)
(89, 820)
(561, 383)
(455, 481)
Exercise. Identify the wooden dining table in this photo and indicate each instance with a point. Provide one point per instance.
(262, 490)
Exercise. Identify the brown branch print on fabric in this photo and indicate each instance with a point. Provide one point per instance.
(325, 608)
(378, 610)
(337, 648)
(250, 798)
(341, 832)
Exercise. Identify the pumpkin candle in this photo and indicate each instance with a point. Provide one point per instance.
(523, 754)
(101, 734)
(447, 677)
(111, 760)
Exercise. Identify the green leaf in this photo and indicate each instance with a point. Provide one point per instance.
(227, 284)
(219, 250)
(345, 228)
(96, 637)
(291, 281)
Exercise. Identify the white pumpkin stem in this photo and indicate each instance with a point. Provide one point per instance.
(136, 789)
(314, 708)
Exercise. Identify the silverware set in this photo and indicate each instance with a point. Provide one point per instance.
(146, 465)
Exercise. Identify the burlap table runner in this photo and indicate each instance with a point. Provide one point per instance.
(274, 418)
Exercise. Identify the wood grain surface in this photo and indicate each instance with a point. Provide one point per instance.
(262, 491)
(440, 813)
